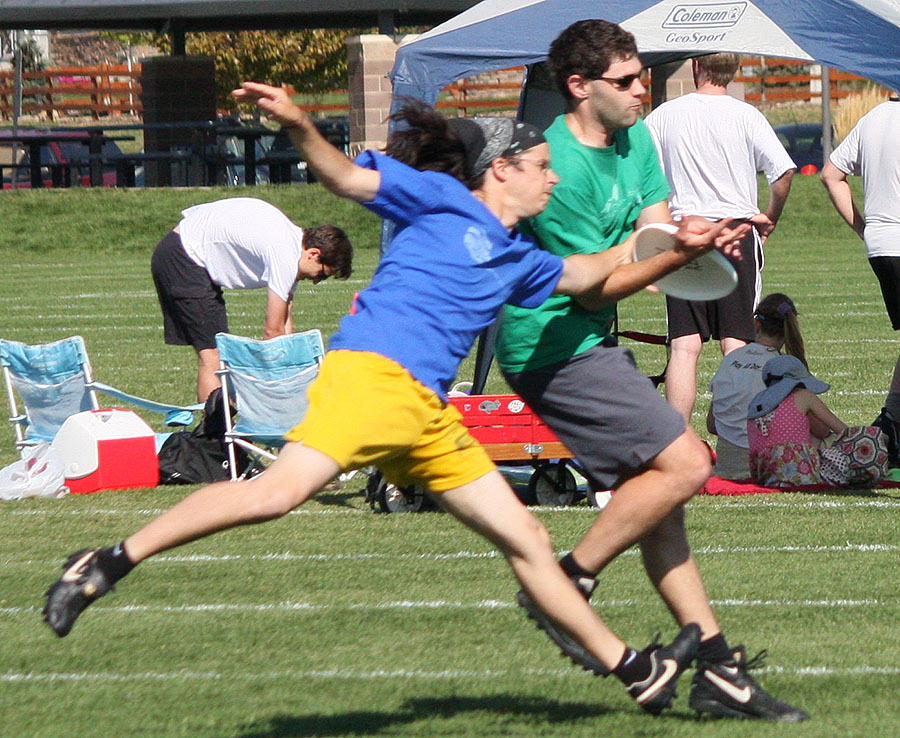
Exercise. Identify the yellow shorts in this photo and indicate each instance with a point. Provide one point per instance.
(367, 409)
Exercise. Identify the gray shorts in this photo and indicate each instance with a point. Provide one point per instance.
(609, 414)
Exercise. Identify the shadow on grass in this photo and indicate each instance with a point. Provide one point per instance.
(339, 498)
(366, 723)
(878, 492)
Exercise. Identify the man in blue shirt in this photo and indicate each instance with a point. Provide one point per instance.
(379, 397)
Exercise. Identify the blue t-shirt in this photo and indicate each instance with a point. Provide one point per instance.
(444, 277)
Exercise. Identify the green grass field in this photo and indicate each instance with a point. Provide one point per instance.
(334, 621)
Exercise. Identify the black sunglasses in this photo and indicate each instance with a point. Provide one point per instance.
(621, 83)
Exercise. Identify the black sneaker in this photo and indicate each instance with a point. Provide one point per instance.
(891, 428)
(82, 582)
(656, 692)
(569, 646)
(725, 689)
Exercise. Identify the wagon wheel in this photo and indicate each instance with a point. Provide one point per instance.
(388, 498)
(553, 484)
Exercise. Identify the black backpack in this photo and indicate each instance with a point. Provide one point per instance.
(200, 456)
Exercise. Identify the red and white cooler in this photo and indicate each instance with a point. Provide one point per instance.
(107, 449)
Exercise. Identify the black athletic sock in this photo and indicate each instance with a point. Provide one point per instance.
(114, 562)
(715, 650)
(573, 568)
(584, 580)
(635, 666)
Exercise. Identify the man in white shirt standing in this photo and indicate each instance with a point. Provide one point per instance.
(872, 150)
(237, 243)
(712, 146)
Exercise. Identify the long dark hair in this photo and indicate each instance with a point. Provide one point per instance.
(424, 140)
(777, 316)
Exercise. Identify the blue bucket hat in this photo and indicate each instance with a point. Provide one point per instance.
(782, 375)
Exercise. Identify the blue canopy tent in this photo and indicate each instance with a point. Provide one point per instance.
(859, 36)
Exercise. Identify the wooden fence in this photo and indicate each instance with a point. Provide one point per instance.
(769, 84)
(99, 91)
(106, 89)
(116, 90)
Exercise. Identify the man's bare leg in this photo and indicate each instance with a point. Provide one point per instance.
(674, 572)
(729, 344)
(647, 509)
(295, 476)
(681, 374)
(207, 379)
(489, 507)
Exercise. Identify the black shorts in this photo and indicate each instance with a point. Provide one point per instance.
(728, 317)
(192, 304)
(887, 269)
(607, 412)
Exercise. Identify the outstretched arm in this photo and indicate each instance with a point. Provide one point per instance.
(838, 187)
(600, 283)
(333, 169)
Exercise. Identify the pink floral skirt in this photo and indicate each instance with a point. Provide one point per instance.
(858, 458)
(788, 464)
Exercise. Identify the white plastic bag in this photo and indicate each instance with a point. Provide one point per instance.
(39, 473)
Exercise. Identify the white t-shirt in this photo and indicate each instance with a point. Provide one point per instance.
(244, 243)
(737, 381)
(872, 151)
(711, 148)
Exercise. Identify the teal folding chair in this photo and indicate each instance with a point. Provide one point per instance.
(265, 382)
(54, 381)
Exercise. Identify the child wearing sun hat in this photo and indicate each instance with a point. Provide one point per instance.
(787, 424)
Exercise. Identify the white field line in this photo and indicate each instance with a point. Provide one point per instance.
(31, 677)
(736, 503)
(159, 511)
(467, 555)
(75, 328)
(275, 608)
(857, 339)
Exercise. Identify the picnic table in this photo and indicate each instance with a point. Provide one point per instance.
(35, 141)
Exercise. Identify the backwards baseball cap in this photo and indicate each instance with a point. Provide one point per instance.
(486, 139)
(782, 375)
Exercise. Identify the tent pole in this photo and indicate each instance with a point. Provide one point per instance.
(17, 103)
(827, 141)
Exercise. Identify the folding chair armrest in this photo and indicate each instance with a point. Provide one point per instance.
(175, 414)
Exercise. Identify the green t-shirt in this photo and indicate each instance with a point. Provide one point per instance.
(595, 205)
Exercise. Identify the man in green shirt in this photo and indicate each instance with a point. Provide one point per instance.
(624, 434)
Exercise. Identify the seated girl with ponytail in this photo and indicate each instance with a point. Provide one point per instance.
(739, 379)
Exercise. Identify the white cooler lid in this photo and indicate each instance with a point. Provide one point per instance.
(77, 438)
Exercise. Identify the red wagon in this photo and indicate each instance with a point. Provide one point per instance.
(512, 435)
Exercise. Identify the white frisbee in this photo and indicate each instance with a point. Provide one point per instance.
(707, 277)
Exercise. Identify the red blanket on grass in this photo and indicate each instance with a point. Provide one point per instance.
(719, 486)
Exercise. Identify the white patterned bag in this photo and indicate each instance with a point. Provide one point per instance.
(39, 473)
(858, 458)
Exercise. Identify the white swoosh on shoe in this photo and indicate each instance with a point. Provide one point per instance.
(670, 666)
(74, 572)
(741, 694)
